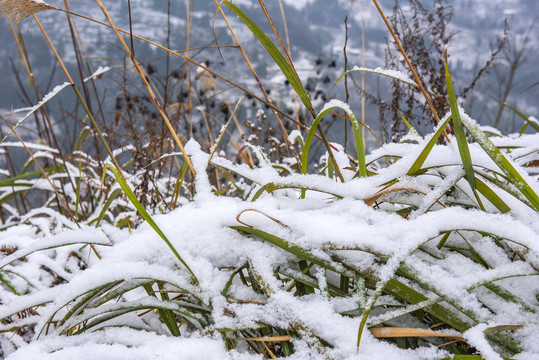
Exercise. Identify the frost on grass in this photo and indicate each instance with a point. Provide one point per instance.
(395, 74)
(424, 235)
(98, 73)
(36, 107)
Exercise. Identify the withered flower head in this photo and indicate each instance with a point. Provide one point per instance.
(21, 9)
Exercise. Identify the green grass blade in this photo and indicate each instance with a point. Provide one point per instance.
(275, 54)
(356, 127)
(109, 201)
(166, 314)
(407, 123)
(271, 187)
(131, 196)
(35, 108)
(503, 163)
(459, 129)
(393, 286)
(8, 284)
(533, 124)
(492, 196)
(291, 248)
(416, 166)
(48, 170)
(389, 73)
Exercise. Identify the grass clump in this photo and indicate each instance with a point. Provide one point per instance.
(425, 246)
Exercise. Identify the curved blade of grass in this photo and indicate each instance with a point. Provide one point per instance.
(271, 187)
(408, 125)
(459, 129)
(356, 127)
(146, 216)
(166, 315)
(109, 201)
(416, 166)
(35, 108)
(8, 284)
(533, 124)
(389, 73)
(292, 248)
(503, 163)
(509, 188)
(393, 286)
(41, 246)
(47, 170)
(275, 54)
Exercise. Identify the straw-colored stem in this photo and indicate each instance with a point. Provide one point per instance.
(259, 82)
(148, 87)
(412, 69)
(49, 132)
(313, 113)
(78, 94)
(45, 175)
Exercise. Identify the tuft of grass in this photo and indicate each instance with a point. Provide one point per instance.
(381, 289)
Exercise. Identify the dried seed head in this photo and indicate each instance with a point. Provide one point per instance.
(21, 9)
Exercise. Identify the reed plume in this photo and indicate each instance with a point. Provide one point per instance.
(21, 9)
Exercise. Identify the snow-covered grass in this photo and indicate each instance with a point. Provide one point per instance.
(421, 249)
(414, 251)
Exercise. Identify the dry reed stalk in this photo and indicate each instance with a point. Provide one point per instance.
(78, 94)
(313, 113)
(44, 173)
(148, 87)
(294, 96)
(362, 65)
(259, 82)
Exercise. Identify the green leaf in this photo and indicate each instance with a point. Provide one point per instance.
(416, 166)
(357, 137)
(131, 196)
(109, 201)
(388, 73)
(492, 196)
(275, 54)
(533, 124)
(503, 163)
(407, 123)
(459, 130)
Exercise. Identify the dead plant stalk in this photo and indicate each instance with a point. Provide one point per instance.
(148, 87)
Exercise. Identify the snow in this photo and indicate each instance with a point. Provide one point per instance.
(34, 108)
(387, 72)
(98, 73)
(128, 344)
(476, 338)
(334, 225)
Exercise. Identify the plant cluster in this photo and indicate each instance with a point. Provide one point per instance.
(232, 248)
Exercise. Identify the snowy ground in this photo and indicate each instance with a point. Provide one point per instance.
(340, 231)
